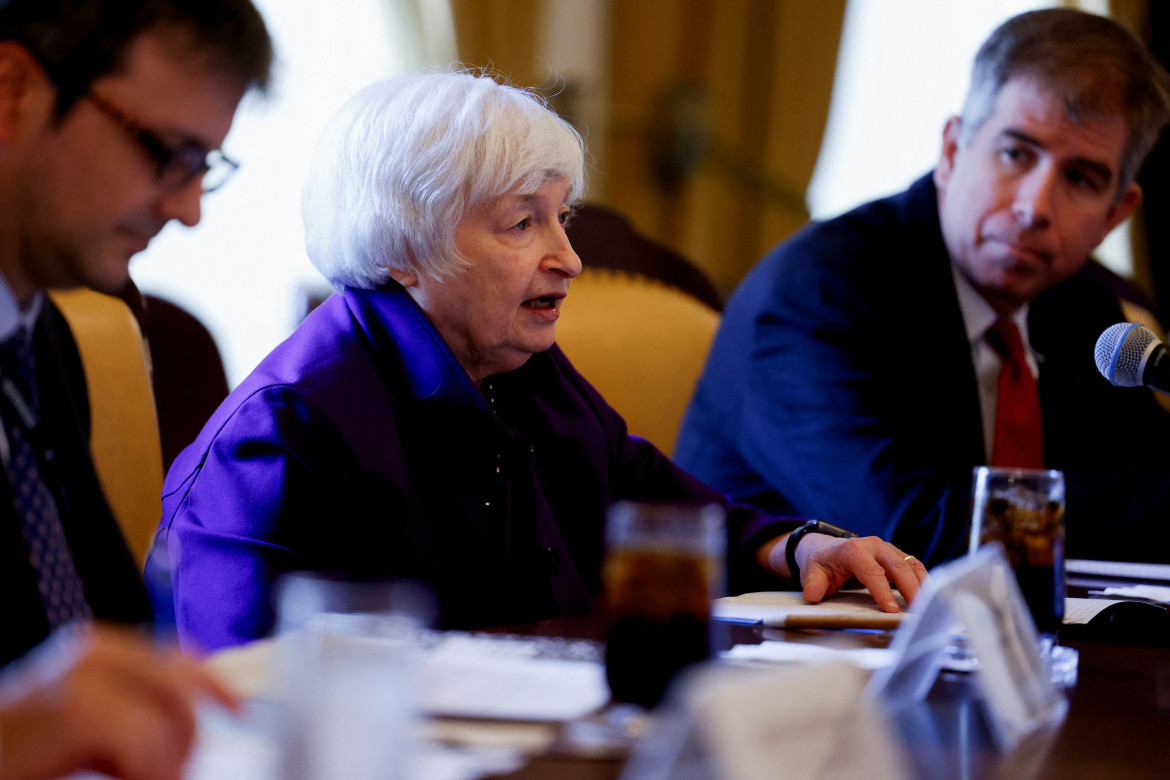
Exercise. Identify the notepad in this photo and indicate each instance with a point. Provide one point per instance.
(1122, 569)
(788, 609)
(1081, 611)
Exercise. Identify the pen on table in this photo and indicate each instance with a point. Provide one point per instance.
(739, 621)
(876, 620)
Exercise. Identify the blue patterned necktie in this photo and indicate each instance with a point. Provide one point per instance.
(57, 579)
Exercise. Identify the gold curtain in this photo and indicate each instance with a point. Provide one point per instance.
(502, 34)
(719, 108)
(715, 112)
(1134, 14)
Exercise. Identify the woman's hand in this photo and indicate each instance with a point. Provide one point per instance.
(827, 563)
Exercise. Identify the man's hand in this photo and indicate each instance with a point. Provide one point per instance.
(103, 701)
(827, 563)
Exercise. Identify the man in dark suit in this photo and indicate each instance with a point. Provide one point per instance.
(111, 116)
(858, 373)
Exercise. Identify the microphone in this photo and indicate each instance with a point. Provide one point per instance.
(1128, 354)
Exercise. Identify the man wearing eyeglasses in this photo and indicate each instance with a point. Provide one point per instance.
(112, 113)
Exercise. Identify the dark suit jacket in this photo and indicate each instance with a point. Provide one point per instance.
(113, 586)
(841, 386)
(361, 448)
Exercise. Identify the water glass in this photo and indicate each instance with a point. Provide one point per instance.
(1023, 509)
(663, 566)
(348, 667)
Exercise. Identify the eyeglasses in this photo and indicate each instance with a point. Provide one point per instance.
(176, 165)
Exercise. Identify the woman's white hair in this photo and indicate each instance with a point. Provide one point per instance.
(399, 165)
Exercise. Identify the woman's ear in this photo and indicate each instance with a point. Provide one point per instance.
(404, 278)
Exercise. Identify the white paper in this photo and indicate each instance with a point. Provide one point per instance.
(1135, 571)
(1159, 593)
(1078, 612)
(477, 686)
(464, 675)
(496, 678)
(867, 658)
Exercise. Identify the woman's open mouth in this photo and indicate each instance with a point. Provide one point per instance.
(545, 302)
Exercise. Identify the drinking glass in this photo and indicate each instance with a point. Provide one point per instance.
(1023, 509)
(663, 567)
(348, 666)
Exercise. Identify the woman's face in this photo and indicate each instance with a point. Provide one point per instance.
(505, 306)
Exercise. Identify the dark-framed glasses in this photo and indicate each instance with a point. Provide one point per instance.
(176, 164)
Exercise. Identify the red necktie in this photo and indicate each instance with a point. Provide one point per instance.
(1019, 440)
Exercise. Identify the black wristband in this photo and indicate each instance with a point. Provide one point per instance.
(811, 527)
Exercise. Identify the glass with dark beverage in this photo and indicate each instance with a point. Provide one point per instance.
(663, 566)
(1023, 509)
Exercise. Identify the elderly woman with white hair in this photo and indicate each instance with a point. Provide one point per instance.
(422, 422)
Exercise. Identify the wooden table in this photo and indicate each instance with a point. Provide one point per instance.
(1118, 719)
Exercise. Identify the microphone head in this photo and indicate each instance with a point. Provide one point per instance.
(1120, 353)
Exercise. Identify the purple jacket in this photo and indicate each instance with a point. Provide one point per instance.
(360, 447)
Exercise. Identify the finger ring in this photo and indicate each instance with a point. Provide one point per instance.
(908, 558)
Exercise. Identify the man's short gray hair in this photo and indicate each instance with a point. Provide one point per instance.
(1097, 66)
(401, 163)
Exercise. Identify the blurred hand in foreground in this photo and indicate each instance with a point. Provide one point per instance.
(101, 699)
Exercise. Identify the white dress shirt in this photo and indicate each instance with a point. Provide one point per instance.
(11, 318)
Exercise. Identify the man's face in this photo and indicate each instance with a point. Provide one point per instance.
(1031, 195)
(85, 188)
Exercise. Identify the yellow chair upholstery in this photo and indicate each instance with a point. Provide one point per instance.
(641, 343)
(125, 440)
